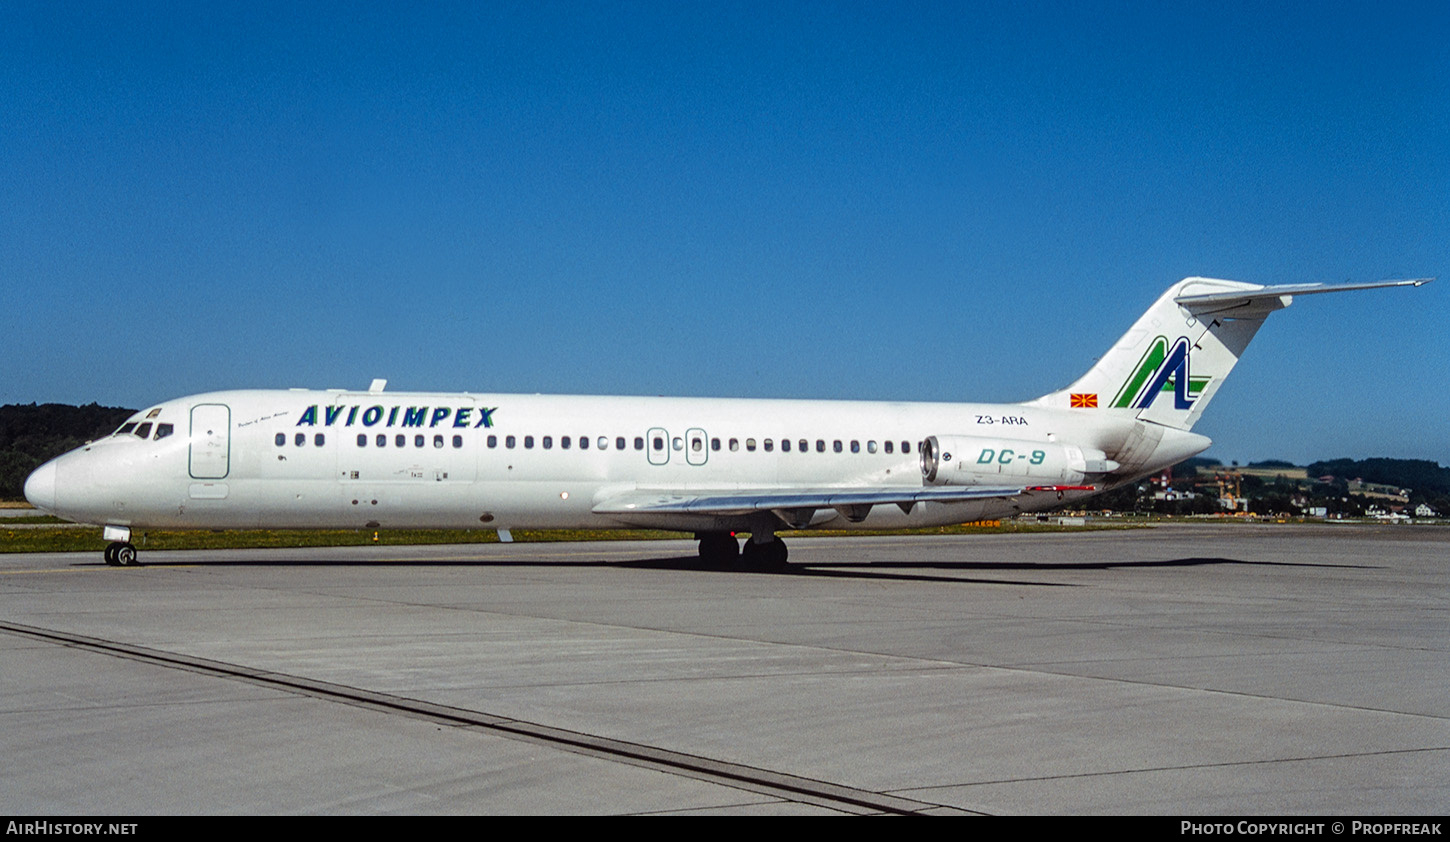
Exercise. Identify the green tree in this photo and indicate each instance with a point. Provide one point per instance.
(30, 434)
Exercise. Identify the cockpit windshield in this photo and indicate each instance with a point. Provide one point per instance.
(143, 430)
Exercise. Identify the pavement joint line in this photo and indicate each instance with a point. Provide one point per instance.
(736, 776)
(1182, 768)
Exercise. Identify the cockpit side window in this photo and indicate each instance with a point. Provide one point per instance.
(164, 430)
(126, 428)
(144, 430)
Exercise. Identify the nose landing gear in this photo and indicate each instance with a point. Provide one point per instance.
(121, 554)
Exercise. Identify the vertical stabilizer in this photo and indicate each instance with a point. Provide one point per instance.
(1171, 363)
(1168, 366)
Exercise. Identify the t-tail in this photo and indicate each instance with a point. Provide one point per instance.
(1171, 363)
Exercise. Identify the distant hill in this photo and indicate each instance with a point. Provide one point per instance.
(1419, 474)
(1194, 463)
(30, 434)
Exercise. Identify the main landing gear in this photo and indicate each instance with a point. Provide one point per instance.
(766, 555)
(121, 553)
(720, 549)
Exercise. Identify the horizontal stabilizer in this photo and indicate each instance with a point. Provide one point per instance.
(1259, 302)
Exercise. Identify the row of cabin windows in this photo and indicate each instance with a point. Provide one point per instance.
(400, 440)
(566, 442)
(697, 443)
(804, 445)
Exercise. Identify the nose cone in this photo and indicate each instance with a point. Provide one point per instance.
(40, 487)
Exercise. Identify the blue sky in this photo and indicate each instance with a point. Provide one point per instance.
(823, 200)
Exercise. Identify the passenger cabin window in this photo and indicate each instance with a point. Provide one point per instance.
(604, 443)
(734, 445)
(458, 441)
(583, 442)
(382, 440)
(492, 442)
(438, 441)
(362, 440)
(855, 446)
(509, 442)
(750, 445)
(418, 440)
(888, 447)
(677, 443)
(871, 446)
(785, 445)
(528, 442)
(715, 444)
(836, 445)
(548, 442)
(638, 442)
(400, 440)
(769, 445)
(820, 445)
(319, 439)
(805, 446)
(299, 439)
(563, 442)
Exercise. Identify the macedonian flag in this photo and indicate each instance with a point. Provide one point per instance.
(1084, 401)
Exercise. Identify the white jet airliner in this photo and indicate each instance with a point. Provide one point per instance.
(715, 467)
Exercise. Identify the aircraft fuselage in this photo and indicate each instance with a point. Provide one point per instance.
(378, 459)
(326, 459)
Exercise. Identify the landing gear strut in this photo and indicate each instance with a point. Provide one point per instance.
(121, 553)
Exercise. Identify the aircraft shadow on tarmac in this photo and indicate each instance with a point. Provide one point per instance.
(866, 569)
(895, 570)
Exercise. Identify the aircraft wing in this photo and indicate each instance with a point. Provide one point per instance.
(796, 504)
(1256, 302)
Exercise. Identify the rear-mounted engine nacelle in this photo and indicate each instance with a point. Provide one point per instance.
(972, 460)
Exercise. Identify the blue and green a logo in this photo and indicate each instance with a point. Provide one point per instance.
(1162, 369)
